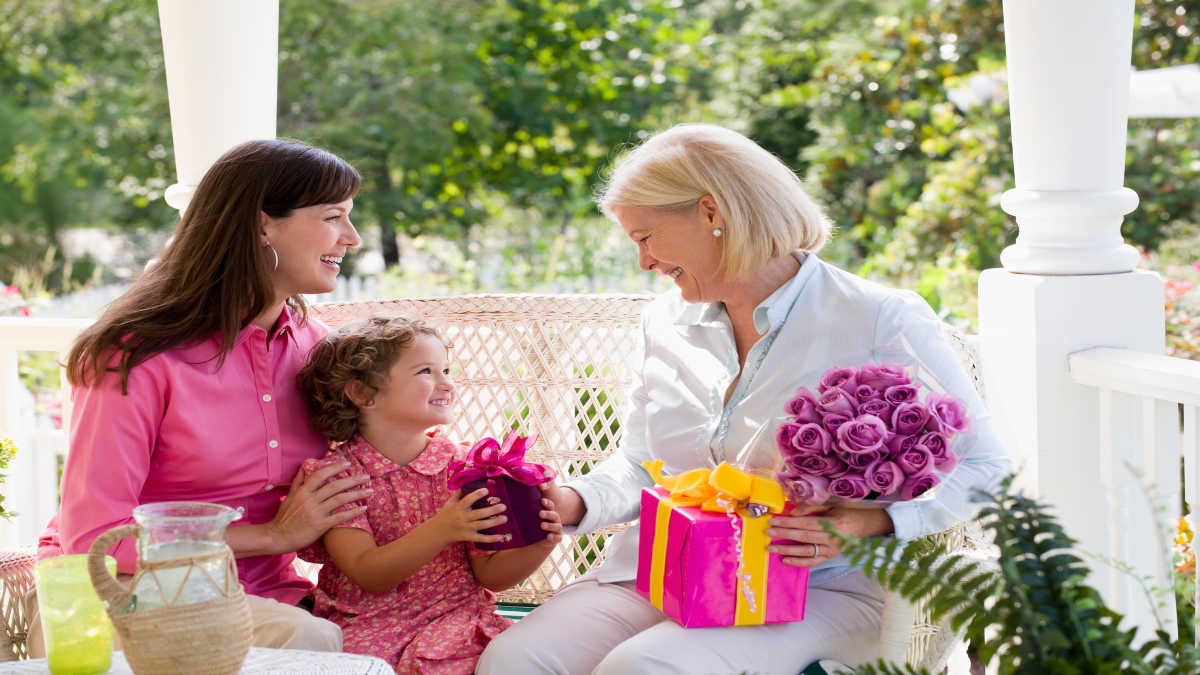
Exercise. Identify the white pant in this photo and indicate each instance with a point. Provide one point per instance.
(275, 625)
(608, 629)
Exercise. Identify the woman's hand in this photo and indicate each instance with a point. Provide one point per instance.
(813, 545)
(551, 521)
(308, 510)
(567, 502)
(457, 521)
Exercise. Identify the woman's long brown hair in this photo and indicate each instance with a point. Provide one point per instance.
(210, 280)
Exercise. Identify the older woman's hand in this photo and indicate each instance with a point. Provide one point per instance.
(813, 545)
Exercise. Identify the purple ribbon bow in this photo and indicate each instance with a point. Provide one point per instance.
(489, 459)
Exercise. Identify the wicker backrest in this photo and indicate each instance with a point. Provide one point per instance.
(16, 578)
(555, 365)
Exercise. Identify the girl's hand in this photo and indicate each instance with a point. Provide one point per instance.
(457, 521)
(813, 545)
(308, 510)
(550, 523)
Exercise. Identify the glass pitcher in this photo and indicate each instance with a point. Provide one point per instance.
(178, 554)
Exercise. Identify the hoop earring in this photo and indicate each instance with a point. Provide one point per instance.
(717, 232)
(276, 254)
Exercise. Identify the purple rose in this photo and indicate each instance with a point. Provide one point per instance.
(865, 433)
(804, 489)
(860, 462)
(811, 439)
(916, 460)
(909, 418)
(915, 486)
(837, 400)
(783, 436)
(876, 407)
(816, 465)
(833, 421)
(884, 477)
(901, 393)
(898, 443)
(883, 376)
(804, 407)
(864, 393)
(840, 378)
(944, 459)
(947, 414)
(851, 487)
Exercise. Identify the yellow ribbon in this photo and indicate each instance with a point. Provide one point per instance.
(726, 489)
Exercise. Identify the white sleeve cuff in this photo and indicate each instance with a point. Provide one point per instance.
(591, 502)
(907, 520)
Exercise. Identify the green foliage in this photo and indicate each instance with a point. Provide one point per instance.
(8, 450)
(1037, 614)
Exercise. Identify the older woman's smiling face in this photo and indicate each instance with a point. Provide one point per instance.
(679, 245)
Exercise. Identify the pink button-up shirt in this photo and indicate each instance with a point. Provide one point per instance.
(190, 431)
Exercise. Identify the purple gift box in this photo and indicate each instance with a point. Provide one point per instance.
(511, 481)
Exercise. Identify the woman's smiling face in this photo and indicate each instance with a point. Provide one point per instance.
(679, 245)
(310, 244)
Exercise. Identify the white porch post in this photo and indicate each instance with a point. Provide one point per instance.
(222, 62)
(1069, 284)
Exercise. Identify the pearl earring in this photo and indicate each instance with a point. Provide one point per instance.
(717, 232)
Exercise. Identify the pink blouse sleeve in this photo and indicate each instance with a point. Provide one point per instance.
(113, 436)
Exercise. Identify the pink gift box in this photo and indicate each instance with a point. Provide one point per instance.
(699, 580)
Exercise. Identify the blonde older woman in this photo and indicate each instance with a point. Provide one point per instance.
(754, 310)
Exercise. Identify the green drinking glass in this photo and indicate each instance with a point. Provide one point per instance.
(78, 633)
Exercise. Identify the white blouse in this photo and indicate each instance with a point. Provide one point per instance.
(676, 404)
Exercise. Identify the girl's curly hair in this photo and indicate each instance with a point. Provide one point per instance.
(362, 350)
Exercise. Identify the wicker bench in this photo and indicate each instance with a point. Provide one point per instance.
(560, 366)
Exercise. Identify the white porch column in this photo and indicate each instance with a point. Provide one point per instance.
(1069, 284)
(222, 62)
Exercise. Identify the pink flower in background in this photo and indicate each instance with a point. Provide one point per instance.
(842, 378)
(868, 434)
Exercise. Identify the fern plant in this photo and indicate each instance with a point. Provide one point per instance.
(1036, 614)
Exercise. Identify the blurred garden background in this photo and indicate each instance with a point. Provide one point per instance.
(482, 126)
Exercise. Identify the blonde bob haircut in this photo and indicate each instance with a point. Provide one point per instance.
(766, 212)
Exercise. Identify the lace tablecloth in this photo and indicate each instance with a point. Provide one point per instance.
(258, 662)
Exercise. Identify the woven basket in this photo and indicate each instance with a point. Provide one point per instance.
(204, 638)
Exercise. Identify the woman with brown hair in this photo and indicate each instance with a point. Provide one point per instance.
(185, 388)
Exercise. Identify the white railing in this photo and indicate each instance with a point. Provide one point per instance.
(32, 484)
(1167, 387)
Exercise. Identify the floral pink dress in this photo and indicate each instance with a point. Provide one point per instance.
(437, 621)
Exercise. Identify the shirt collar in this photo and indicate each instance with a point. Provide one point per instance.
(769, 313)
(285, 326)
(432, 461)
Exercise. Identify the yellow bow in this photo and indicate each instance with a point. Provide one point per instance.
(722, 490)
(719, 490)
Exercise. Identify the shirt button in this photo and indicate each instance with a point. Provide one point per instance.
(268, 488)
(267, 398)
(273, 444)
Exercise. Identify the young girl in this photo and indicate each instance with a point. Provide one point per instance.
(403, 579)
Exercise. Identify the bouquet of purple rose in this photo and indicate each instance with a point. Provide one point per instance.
(868, 436)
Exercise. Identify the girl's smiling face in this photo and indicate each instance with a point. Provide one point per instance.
(419, 394)
(679, 245)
